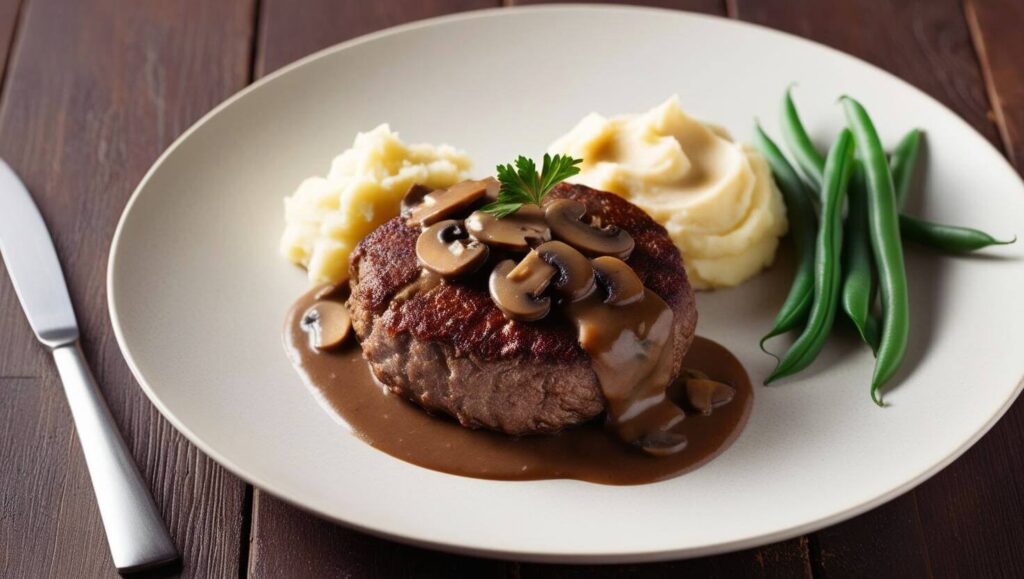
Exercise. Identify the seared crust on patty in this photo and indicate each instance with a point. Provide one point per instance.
(450, 349)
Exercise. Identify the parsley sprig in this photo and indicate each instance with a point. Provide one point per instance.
(522, 185)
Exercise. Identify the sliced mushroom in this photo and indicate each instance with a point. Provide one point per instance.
(445, 203)
(704, 394)
(414, 196)
(493, 187)
(663, 443)
(564, 217)
(621, 283)
(446, 249)
(516, 288)
(513, 233)
(327, 323)
(575, 279)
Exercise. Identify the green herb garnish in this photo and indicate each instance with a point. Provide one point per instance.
(522, 185)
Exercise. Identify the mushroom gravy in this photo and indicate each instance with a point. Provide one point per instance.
(589, 452)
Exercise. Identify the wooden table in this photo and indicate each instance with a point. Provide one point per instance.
(94, 90)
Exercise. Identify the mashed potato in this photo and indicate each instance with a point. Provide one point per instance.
(326, 217)
(715, 197)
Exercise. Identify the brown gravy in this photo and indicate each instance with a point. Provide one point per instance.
(631, 352)
(589, 453)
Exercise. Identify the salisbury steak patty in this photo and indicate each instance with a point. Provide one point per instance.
(450, 349)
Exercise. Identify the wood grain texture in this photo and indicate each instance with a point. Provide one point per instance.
(924, 42)
(9, 10)
(96, 89)
(969, 519)
(973, 511)
(17, 361)
(888, 541)
(996, 29)
(287, 542)
(290, 30)
(785, 560)
(717, 7)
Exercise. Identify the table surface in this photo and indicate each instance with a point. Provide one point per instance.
(92, 91)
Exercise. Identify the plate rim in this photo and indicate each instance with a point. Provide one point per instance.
(578, 557)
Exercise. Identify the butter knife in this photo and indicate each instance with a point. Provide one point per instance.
(136, 534)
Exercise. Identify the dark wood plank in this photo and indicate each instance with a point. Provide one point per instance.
(973, 512)
(924, 42)
(8, 23)
(287, 542)
(996, 30)
(10, 316)
(969, 519)
(95, 90)
(785, 560)
(290, 30)
(885, 542)
(39, 473)
(717, 7)
(285, 539)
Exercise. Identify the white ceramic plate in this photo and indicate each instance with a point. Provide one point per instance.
(198, 291)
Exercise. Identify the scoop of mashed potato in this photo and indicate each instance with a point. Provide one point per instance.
(715, 197)
(327, 216)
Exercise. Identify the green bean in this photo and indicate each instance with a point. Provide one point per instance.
(828, 247)
(883, 225)
(872, 331)
(810, 161)
(949, 238)
(800, 214)
(902, 162)
(859, 283)
(858, 270)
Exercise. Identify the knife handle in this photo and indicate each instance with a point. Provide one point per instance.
(136, 534)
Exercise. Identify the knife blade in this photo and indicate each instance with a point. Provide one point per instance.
(32, 264)
(135, 532)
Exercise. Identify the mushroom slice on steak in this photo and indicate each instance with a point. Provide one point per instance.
(513, 233)
(414, 196)
(575, 279)
(445, 203)
(516, 289)
(564, 217)
(446, 249)
(618, 280)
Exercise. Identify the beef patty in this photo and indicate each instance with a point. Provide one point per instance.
(447, 347)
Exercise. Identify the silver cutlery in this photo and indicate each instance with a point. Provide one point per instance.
(135, 532)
